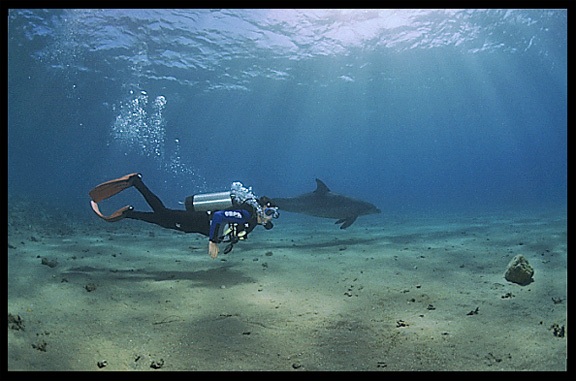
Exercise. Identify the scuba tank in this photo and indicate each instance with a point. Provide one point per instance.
(209, 202)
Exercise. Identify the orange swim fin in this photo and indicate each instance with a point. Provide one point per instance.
(109, 189)
(112, 187)
(117, 215)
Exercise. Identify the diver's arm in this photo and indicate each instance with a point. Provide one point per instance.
(212, 249)
(217, 224)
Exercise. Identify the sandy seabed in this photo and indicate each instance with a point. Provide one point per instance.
(389, 293)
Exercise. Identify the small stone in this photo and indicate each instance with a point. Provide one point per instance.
(50, 263)
(40, 346)
(401, 324)
(15, 322)
(519, 271)
(102, 364)
(157, 364)
(558, 330)
(90, 287)
(473, 312)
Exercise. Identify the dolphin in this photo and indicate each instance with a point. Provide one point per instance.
(324, 203)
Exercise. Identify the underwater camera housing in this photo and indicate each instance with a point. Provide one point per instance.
(208, 202)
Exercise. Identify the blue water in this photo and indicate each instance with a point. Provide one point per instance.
(410, 110)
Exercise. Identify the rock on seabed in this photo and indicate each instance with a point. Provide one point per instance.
(519, 271)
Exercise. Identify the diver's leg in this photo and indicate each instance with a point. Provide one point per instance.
(181, 220)
(194, 222)
(152, 200)
(187, 222)
(112, 187)
(151, 217)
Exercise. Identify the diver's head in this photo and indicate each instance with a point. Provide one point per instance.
(267, 212)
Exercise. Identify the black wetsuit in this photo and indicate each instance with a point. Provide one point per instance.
(190, 221)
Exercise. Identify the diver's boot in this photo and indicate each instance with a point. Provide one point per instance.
(109, 189)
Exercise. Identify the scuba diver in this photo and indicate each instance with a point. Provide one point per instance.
(223, 217)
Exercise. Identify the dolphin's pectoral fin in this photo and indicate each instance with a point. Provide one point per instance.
(347, 221)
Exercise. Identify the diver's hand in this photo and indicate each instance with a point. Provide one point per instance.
(212, 249)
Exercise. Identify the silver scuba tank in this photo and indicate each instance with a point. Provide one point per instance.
(209, 201)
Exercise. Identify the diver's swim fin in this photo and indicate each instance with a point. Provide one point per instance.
(117, 215)
(112, 187)
(109, 189)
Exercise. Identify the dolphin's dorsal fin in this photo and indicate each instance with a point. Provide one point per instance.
(321, 187)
